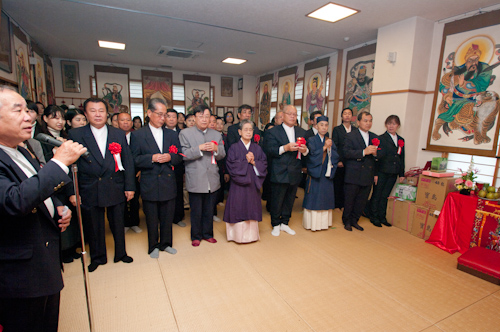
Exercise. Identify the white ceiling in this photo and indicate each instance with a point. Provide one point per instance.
(278, 31)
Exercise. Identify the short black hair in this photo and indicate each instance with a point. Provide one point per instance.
(313, 114)
(94, 100)
(360, 115)
(245, 107)
(346, 109)
(394, 118)
(201, 109)
(171, 110)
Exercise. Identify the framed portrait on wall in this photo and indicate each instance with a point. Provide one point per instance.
(286, 87)
(70, 74)
(40, 82)
(156, 84)
(226, 86)
(240, 84)
(314, 89)
(196, 91)
(466, 98)
(5, 44)
(265, 89)
(49, 80)
(113, 85)
(220, 111)
(23, 72)
(360, 67)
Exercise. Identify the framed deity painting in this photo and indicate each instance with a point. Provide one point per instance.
(196, 91)
(286, 87)
(226, 86)
(70, 73)
(466, 98)
(314, 89)
(49, 80)
(40, 82)
(113, 85)
(360, 67)
(156, 84)
(23, 72)
(265, 88)
(5, 44)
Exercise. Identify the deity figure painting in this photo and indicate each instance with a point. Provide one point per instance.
(113, 96)
(359, 87)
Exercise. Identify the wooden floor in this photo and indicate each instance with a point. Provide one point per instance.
(382, 279)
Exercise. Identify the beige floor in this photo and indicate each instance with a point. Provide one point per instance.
(382, 279)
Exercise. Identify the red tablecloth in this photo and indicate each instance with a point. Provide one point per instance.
(453, 228)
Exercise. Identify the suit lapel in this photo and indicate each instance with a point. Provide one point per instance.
(92, 146)
(282, 134)
(150, 140)
(361, 140)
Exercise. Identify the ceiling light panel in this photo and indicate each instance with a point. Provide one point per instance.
(234, 61)
(332, 12)
(113, 45)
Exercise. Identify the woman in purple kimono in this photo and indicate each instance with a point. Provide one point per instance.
(247, 165)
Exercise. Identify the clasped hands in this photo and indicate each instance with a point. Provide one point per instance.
(250, 158)
(162, 158)
(328, 144)
(293, 146)
(371, 149)
(208, 146)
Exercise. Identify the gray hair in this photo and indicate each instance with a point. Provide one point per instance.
(155, 101)
(6, 87)
(244, 122)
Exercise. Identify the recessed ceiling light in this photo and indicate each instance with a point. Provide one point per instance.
(113, 45)
(234, 61)
(332, 12)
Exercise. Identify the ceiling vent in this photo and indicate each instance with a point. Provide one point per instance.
(177, 53)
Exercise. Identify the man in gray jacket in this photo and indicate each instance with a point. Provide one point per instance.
(202, 148)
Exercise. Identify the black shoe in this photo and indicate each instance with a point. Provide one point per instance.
(67, 259)
(93, 266)
(385, 223)
(348, 228)
(125, 259)
(376, 224)
(359, 228)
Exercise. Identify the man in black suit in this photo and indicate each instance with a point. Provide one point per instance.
(156, 152)
(338, 135)
(107, 181)
(360, 157)
(171, 123)
(245, 112)
(31, 223)
(281, 146)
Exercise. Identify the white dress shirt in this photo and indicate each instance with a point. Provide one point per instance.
(128, 138)
(348, 130)
(366, 137)
(158, 135)
(101, 137)
(394, 138)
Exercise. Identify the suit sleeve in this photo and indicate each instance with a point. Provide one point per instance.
(176, 157)
(315, 159)
(402, 169)
(190, 152)
(221, 149)
(141, 160)
(232, 135)
(272, 146)
(351, 151)
(20, 199)
(128, 164)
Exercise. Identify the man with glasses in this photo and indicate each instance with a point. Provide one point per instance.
(202, 148)
(154, 150)
(281, 146)
(245, 112)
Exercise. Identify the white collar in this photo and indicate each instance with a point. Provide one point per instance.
(154, 128)
(247, 146)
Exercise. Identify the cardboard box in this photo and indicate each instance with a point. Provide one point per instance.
(439, 164)
(400, 213)
(412, 180)
(432, 191)
(405, 191)
(424, 220)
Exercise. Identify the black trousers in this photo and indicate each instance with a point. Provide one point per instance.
(179, 199)
(132, 208)
(30, 314)
(202, 212)
(379, 197)
(338, 185)
(97, 239)
(355, 200)
(283, 196)
(159, 214)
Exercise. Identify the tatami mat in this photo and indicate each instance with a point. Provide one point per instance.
(382, 279)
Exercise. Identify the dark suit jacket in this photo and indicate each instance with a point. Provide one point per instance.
(157, 180)
(233, 136)
(310, 133)
(389, 161)
(30, 262)
(338, 136)
(99, 184)
(358, 169)
(285, 168)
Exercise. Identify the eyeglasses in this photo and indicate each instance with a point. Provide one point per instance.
(161, 115)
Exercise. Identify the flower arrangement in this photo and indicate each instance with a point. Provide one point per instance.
(466, 181)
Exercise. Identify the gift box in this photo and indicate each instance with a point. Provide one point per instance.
(412, 180)
(439, 164)
(424, 220)
(400, 213)
(406, 192)
(432, 191)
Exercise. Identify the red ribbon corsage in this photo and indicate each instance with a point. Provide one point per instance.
(116, 150)
(300, 141)
(213, 157)
(376, 142)
(401, 143)
(256, 138)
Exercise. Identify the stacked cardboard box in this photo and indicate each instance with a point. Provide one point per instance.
(432, 191)
(400, 213)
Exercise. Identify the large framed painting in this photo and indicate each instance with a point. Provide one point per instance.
(466, 99)
(113, 85)
(226, 86)
(156, 84)
(70, 73)
(314, 89)
(286, 87)
(360, 66)
(49, 81)
(5, 44)
(265, 88)
(23, 73)
(196, 91)
(40, 82)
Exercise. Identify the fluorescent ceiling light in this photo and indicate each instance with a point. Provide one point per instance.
(234, 61)
(113, 45)
(332, 12)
